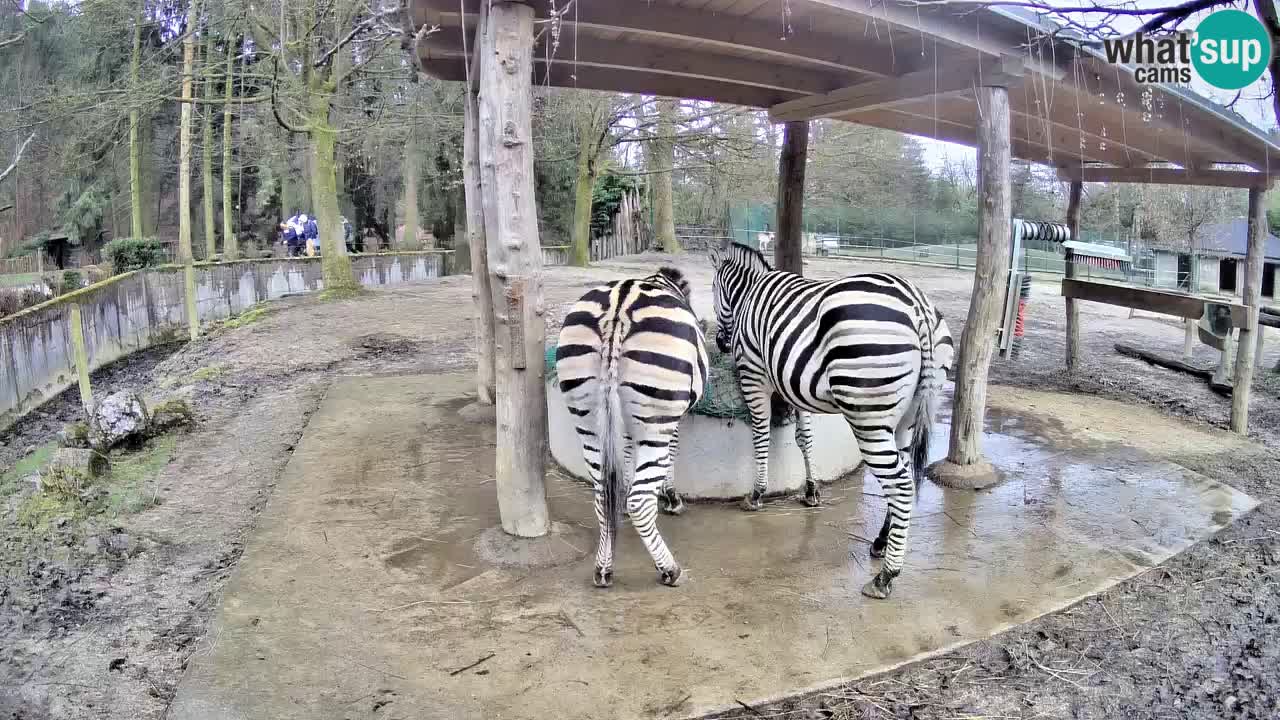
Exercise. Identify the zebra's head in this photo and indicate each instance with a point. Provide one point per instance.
(736, 269)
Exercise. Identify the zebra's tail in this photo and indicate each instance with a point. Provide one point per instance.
(611, 433)
(924, 407)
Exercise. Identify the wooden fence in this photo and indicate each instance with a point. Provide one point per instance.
(630, 235)
(25, 264)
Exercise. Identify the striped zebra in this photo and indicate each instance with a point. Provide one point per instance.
(870, 347)
(631, 362)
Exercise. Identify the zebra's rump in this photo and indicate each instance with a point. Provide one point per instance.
(641, 334)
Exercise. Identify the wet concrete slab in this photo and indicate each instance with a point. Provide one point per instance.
(374, 585)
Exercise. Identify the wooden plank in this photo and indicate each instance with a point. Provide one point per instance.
(1252, 296)
(808, 48)
(903, 88)
(787, 250)
(1163, 302)
(977, 344)
(1073, 311)
(1167, 176)
(505, 136)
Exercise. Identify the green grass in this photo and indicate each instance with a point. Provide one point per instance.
(248, 317)
(126, 493)
(12, 479)
(209, 372)
(341, 293)
(19, 279)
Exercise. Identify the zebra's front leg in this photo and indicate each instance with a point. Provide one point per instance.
(653, 462)
(756, 396)
(670, 501)
(804, 438)
(893, 470)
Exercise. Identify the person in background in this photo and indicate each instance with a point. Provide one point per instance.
(348, 235)
(311, 232)
(291, 231)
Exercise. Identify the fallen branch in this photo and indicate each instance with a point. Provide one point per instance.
(474, 664)
(1170, 363)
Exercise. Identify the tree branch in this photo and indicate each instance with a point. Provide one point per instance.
(355, 31)
(13, 40)
(17, 158)
(275, 105)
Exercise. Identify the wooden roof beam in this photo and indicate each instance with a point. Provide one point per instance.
(598, 53)
(1167, 176)
(713, 30)
(896, 90)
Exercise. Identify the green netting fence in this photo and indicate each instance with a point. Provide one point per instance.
(722, 397)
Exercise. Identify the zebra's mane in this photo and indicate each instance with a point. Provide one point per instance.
(748, 257)
(676, 279)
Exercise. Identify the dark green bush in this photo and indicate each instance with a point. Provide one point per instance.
(134, 253)
(71, 280)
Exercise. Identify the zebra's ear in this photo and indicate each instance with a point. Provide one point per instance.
(713, 253)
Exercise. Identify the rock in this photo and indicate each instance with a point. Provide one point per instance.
(72, 470)
(169, 414)
(74, 435)
(118, 417)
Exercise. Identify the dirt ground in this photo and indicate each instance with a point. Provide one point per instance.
(94, 629)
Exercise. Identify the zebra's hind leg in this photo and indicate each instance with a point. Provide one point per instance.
(878, 545)
(586, 427)
(670, 501)
(804, 438)
(893, 470)
(653, 459)
(757, 397)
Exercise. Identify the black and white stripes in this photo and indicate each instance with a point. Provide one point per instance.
(870, 347)
(631, 362)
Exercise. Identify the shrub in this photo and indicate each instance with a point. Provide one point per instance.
(11, 301)
(71, 280)
(134, 253)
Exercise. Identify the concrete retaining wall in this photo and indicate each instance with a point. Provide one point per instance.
(137, 310)
(715, 460)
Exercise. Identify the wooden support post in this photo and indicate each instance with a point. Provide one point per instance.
(1073, 310)
(978, 341)
(481, 294)
(189, 296)
(1252, 298)
(81, 352)
(515, 265)
(789, 242)
(1189, 340)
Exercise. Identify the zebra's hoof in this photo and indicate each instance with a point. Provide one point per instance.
(672, 577)
(751, 504)
(813, 498)
(603, 578)
(878, 588)
(877, 549)
(673, 507)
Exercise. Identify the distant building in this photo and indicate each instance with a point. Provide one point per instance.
(1218, 265)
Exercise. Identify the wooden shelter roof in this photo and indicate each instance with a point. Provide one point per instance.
(889, 64)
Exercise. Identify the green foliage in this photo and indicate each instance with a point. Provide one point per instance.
(606, 197)
(126, 491)
(248, 317)
(134, 253)
(81, 214)
(71, 280)
(11, 479)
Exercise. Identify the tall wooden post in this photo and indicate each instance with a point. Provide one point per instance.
(1073, 310)
(978, 342)
(81, 354)
(789, 242)
(515, 265)
(1243, 387)
(481, 294)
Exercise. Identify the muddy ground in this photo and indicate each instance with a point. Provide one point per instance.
(93, 626)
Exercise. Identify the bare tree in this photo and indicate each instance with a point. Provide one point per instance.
(17, 157)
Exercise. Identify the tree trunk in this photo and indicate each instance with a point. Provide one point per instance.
(515, 267)
(481, 294)
(411, 166)
(663, 155)
(335, 263)
(976, 345)
(1252, 298)
(584, 183)
(789, 242)
(230, 243)
(1073, 310)
(135, 142)
(184, 172)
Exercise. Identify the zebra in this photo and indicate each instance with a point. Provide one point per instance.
(631, 362)
(870, 347)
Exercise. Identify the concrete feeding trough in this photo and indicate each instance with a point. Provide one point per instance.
(715, 459)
